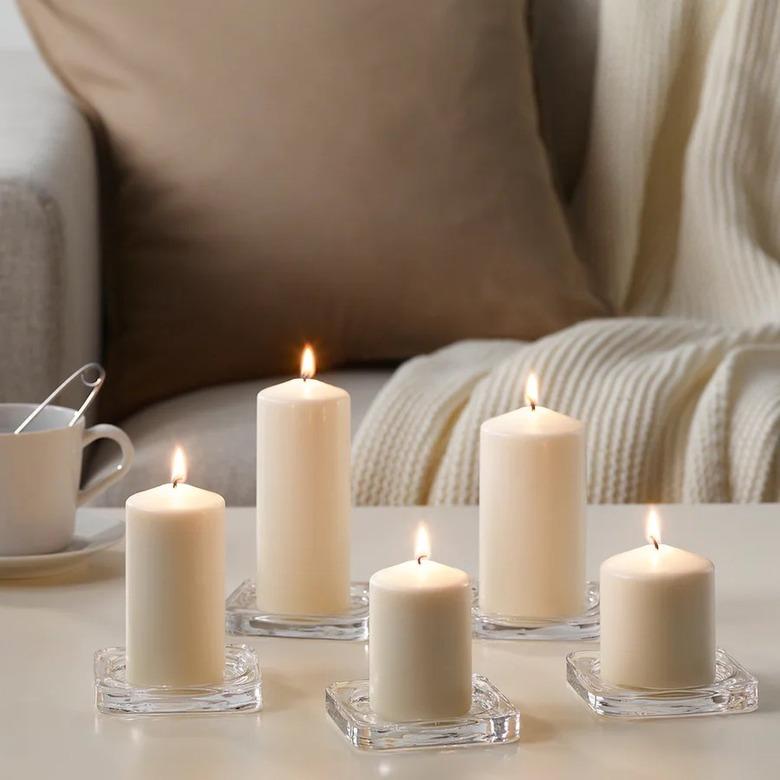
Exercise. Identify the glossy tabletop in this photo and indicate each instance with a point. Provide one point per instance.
(50, 627)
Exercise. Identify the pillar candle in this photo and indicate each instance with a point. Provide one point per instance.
(420, 640)
(657, 616)
(175, 592)
(303, 498)
(532, 513)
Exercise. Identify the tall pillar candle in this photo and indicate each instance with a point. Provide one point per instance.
(532, 513)
(303, 498)
(657, 616)
(419, 646)
(175, 591)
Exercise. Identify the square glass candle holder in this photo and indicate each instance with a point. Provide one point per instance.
(492, 720)
(733, 690)
(243, 617)
(584, 626)
(241, 689)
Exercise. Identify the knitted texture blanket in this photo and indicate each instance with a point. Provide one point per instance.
(677, 215)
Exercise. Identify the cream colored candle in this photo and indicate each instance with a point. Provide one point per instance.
(175, 591)
(657, 616)
(303, 500)
(532, 513)
(420, 640)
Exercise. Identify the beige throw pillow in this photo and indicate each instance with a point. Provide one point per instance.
(363, 174)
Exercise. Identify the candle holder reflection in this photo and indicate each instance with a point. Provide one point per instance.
(733, 690)
(577, 627)
(244, 618)
(492, 720)
(240, 690)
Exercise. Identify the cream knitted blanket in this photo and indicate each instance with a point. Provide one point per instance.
(678, 213)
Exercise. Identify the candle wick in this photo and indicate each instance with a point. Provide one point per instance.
(176, 481)
(654, 541)
(533, 406)
(420, 559)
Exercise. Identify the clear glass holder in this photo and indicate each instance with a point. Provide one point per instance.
(492, 720)
(240, 691)
(734, 690)
(580, 627)
(243, 617)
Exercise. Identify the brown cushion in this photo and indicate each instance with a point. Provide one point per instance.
(564, 39)
(365, 174)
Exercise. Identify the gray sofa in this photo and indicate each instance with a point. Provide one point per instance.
(50, 287)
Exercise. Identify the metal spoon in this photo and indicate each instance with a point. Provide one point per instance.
(81, 373)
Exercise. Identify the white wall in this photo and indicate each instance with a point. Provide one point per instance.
(13, 33)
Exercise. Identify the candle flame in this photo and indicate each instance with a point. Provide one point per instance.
(422, 543)
(308, 363)
(532, 390)
(178, 467)
(653, 527)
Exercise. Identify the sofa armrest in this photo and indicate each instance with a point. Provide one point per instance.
(49, 255)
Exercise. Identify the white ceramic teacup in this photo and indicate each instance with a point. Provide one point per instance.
(40, 473)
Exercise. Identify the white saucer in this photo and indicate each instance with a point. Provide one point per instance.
(92, 535)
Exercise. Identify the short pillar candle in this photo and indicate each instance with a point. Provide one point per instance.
(420, 640)
(657, 616)
(175, 584)
(532, 513)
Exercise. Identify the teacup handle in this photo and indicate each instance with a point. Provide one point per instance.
(104, 431)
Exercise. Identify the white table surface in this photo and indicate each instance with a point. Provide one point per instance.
(49, 629)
